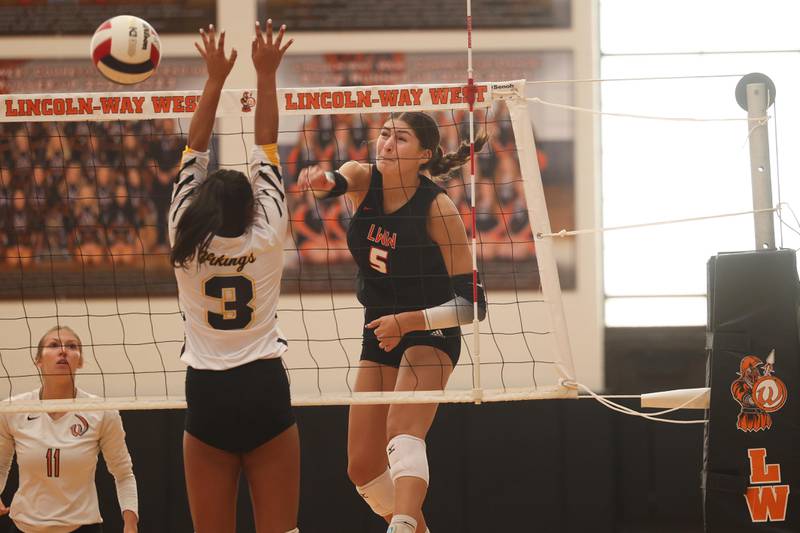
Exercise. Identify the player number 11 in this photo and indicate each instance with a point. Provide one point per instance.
(53, 457)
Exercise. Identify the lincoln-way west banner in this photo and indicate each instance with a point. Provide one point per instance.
(175, 104)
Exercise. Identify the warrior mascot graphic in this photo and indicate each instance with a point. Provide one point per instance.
(758, 392)
(247, 101)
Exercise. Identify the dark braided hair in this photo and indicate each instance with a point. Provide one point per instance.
(427, 131)
(222, 205)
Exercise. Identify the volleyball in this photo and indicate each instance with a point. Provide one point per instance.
(126, 49)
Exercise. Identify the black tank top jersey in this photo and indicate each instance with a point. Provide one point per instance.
(400, 268)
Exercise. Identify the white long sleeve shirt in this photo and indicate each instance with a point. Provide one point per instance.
(57, 463)
(229, 293)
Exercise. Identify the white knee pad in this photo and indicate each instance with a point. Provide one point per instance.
(379, 494)
(408, 458)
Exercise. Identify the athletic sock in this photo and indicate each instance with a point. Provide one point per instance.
(402, 524)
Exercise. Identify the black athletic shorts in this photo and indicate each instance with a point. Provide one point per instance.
(447, 340)
(239, 409)
(88, 528)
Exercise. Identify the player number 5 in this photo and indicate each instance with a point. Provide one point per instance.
(377, 259)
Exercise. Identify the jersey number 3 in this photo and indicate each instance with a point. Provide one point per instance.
(235, 293)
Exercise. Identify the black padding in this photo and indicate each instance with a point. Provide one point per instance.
(339, 184)
(753, 311)
(462, 286)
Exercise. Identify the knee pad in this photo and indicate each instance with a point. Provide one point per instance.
(379, 494)
(408, 457)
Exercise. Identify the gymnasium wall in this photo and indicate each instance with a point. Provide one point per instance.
(545, 466)
(579, 39)
(567, 466)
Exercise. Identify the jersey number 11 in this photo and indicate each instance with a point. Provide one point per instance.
(53, 458)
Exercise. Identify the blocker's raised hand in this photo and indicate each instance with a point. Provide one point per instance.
(213, 52)
(266, 51)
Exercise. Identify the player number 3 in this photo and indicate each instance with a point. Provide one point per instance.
(236, 293)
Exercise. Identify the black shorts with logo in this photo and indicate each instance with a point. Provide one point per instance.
(239, 409)
(447, 340)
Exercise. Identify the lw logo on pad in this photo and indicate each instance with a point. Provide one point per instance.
(767, 500)
(759, 393)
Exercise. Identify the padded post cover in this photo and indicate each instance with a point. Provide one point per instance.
(751, 466)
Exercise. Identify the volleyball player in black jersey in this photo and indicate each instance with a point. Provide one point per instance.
(415, 282)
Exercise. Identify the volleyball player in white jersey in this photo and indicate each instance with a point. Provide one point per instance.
(57, 452)
(227, 233)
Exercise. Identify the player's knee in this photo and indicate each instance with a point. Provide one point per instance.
(402, 421)
(379, 494)
(408, 457)
(360, 469)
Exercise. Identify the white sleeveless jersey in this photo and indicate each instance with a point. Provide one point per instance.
(57, 462)
(229, 293)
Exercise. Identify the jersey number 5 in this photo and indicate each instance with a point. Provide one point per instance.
(236, 293)
(377, 259)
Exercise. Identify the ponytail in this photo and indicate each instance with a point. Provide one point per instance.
(441, 164)
(223, 204)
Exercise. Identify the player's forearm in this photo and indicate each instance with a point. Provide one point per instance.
(454, 313)
(5, 468)
(411, 321)
(118, 461)
(127, 492)
(6, 456)
(203, 120)
(266, 121)
(130, 520)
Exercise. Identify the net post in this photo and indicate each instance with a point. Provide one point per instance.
(537, 209)
(759, 165)
(755, 93)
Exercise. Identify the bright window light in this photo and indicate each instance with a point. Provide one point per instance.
(656, 170)
(661, 312)
(689, 26)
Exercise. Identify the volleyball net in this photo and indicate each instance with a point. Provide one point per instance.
(86, 181)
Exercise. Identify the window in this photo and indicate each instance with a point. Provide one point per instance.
(665, 170)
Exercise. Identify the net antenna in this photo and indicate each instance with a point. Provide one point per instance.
(132, 332)
(529, 166)
(476, 325)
